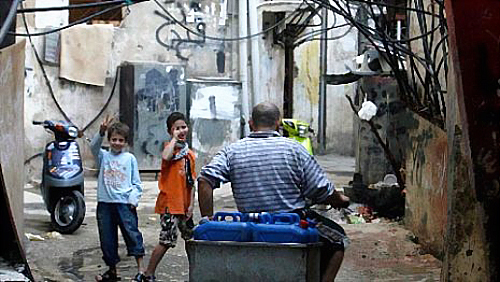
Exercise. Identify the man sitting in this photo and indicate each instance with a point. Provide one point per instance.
(275, 174)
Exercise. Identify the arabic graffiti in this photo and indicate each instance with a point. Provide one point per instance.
(172, 39)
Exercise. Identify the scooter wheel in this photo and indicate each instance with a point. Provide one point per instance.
(68, 213)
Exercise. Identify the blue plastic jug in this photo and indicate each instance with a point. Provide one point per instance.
(220, 229)
(260, 217)
(284, 228)
(313, 232)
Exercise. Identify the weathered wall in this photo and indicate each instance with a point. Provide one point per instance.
(306, 72)
(468, 252)
(215, 116)
(393, 121)
(143, 35)
(427, 158)
(11, 133)
(426, 180)
(465, 247)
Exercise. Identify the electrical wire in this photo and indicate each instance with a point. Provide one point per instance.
(328, 38)
(105, 104)
(77, 6)
(319, 31)
(47, 81)
(213, 38)
(8, 20)
(73, 23)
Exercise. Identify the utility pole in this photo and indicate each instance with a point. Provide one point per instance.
(322, 83)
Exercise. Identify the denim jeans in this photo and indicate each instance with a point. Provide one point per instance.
(110, 216)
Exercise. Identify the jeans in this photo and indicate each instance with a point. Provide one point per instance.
(110, 216)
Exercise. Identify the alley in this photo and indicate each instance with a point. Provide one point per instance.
(381, 251)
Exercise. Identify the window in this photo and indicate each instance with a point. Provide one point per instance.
(113, 16)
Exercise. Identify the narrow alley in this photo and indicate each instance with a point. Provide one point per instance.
(398, 100)
(381, 251)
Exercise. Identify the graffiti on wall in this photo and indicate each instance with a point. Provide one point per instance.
(192, 23)
(159, 90)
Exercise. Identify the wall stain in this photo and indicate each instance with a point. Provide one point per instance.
(308, 73)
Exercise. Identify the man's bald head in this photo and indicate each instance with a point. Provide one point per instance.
(265, 115)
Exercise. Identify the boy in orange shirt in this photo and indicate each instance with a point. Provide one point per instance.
(176, 197)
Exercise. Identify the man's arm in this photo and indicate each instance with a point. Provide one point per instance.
(316, 186)
(337, 200)
(205, 197)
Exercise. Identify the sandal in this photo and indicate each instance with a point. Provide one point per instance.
(108, 276)
(139, 277)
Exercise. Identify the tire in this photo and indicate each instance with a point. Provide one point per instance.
(69, 212)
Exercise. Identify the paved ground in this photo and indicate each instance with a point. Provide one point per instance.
(378, 252)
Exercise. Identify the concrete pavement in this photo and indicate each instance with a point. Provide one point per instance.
(378, 252)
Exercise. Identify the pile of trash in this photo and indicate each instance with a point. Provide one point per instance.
(382, 199)
(9, 272)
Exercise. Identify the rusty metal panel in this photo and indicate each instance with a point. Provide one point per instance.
(149, 93)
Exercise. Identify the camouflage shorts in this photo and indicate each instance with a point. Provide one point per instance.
(169, 225)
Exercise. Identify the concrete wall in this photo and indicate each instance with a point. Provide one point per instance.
(393, 121)
(215, 117)
(466, 249)
(427, 159)
(134, 40)
(146, 36)
(426, 185)
(11, 133)
(306, 72)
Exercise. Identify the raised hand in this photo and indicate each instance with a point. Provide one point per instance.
(105, 124)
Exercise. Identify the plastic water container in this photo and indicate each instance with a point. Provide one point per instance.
(284, 228)
(313, 232)
(254, 217)
(222, 229)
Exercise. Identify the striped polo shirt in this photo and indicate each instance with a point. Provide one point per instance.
(268, 173)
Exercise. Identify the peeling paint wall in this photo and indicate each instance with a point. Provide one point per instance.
(215, 117)
(149, 93)
(306, 72)
(426, 185)
(393, 121)
(339, 120)
(11, 135)
(466, 255)
(143, 35)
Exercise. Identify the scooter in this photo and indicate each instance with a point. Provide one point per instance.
(298, 130)
(62, 177)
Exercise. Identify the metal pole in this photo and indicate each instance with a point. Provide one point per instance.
(243, 60)
(322, 84)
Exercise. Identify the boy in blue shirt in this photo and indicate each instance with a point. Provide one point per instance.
(119, 189)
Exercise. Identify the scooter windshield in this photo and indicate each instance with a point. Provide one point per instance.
(65, 161)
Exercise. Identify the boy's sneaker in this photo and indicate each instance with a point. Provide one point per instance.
(151, 278)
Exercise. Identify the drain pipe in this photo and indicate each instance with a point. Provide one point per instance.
(322, 83)
(253, 20)
(243, 58)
